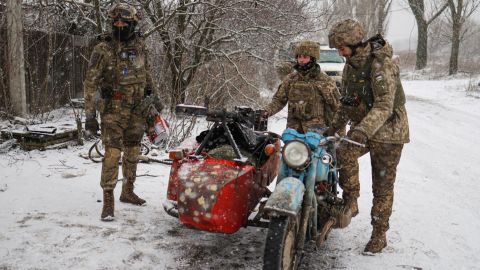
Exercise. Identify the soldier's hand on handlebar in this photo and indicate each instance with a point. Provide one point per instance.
(330, 131)
(357, 136)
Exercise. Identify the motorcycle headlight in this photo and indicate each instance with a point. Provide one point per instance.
(296, 154)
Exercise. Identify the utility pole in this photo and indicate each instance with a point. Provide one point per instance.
(15, 58)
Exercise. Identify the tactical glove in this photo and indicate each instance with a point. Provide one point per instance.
(154, 99)
(330, 131)
(357, 135)
(158, 104)
(91, 126)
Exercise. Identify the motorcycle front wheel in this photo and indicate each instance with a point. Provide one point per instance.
(280, 245)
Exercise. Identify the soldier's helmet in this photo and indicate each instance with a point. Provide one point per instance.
(124, 12)
(309, 48)
(345, 33)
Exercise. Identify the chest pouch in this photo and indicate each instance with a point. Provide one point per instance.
(131, 67)
(301, 100)
(360, 87)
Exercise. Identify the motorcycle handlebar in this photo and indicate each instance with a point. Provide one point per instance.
(339, 139)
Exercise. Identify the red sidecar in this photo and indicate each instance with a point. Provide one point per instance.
(218, 194)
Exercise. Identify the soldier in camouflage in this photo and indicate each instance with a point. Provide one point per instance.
(312, 95)
(119, 69)
(373, 103)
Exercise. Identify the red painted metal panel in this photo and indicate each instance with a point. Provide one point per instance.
(218, 195)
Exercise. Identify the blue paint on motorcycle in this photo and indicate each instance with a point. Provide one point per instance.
(312, 139)
(287, 197)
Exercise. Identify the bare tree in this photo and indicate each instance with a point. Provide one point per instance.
(233, 43)
(16, 62)
(382, 11)
(418, 9)
(195, 34)
(460, 11)
(51, 56)
(373, 14)
(98, 16)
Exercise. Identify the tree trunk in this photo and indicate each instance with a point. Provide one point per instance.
(98, 16)
(422, 52)
(383, 8)
(16, 61)
(453, 69)
(418, 9)
(179, 92)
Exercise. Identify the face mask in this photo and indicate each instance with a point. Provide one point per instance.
(123, 33)
(306, 67)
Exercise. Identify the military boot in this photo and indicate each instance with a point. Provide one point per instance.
(108, 206)
(128, 196)
(350, 203)
(377, 242)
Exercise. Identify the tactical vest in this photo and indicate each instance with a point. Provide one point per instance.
(303, 100)
(125, 76)
(300, 100)
(125, 67)
(360, 84)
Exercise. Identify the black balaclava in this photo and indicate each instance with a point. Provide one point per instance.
(124, 33)
(307, 67)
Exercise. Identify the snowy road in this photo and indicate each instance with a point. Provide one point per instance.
(49, 214)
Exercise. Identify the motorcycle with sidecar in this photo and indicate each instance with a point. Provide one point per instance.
(218, 186)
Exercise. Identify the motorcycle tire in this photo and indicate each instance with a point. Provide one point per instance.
(280, 246)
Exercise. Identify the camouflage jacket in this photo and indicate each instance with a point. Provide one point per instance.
(121, 71)
(312, 97)
(385, 119)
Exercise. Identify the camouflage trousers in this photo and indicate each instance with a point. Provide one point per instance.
(122, 129)
(384, 160)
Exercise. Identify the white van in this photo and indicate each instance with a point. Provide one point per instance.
(331, 63)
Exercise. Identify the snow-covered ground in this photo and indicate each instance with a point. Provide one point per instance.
(50, 205)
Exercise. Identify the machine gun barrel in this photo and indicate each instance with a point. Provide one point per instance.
(191, 110)
(222, 115)
(244, 115)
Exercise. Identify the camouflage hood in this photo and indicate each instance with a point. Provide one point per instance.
(380, 47)
(376, 46)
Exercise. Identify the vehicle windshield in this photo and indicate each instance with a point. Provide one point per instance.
(330, 56)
